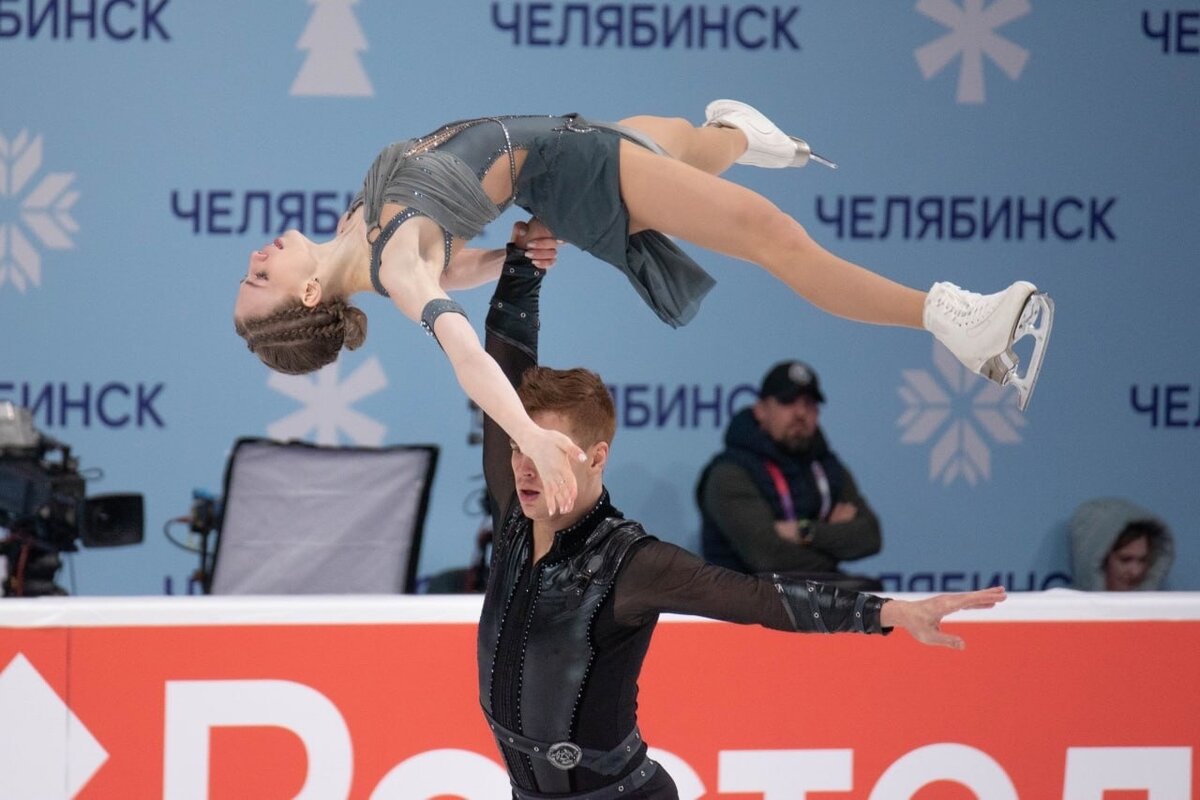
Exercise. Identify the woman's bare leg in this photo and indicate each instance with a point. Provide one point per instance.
(680, 198)
(712, 150)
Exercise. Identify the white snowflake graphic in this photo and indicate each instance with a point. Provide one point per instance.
(45, 749)
(973, 34)
(962, 411)
(45, 211)
(327, 405)
(333, 39)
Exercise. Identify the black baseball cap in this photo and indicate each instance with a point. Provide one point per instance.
(787, 380)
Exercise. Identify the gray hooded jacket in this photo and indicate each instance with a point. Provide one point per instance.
(1095, 526)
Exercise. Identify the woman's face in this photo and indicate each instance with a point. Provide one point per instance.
(1125, 568)
(279, 272)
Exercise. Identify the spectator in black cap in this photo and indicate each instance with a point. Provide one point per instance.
(777, 499)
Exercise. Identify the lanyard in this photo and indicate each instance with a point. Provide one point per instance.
(782, 489)
(785, 492)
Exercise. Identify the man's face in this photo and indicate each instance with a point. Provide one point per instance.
(1126, 567)
(790, 425)
(525, 474)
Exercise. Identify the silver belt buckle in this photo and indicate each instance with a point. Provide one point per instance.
(564, 755)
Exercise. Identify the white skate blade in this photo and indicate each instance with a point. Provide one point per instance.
(1035, 321)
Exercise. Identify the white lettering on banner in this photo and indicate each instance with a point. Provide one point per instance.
(45, 749)
(1164, 773)
(194, 708)
(467, 774)
(969, 766)
(786, 774)
(461, 773)
(687, 782)
(35, 756)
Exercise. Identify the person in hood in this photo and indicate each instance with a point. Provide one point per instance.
(777, 499)
(1117, 546)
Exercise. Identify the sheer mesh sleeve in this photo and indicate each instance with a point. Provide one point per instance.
(661, 577)
(511, 339)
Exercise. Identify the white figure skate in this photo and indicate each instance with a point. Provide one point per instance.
(980, 330)
(767, 146)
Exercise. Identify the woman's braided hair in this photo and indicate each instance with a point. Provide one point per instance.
(297, 339)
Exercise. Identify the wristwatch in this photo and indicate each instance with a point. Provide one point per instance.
(805, 527)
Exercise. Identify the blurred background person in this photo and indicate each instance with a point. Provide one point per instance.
(777, 498)
(1117, 546)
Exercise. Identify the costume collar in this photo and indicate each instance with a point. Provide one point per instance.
(569, 541)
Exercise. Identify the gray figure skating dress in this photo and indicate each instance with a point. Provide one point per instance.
(570, 180)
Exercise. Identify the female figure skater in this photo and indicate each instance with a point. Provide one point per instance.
(617, 192)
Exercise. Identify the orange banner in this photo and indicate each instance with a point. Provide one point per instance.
(1072, 709)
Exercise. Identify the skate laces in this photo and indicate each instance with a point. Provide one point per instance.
(963, 308)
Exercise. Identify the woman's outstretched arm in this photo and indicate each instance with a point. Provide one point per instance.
(411, 277)
(485, 383)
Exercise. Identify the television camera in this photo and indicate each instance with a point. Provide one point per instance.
(45, 508)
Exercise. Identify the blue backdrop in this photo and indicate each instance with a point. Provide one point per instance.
(147, 146)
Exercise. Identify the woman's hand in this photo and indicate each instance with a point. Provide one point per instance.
(552, 453)
(537, 241)
(922, 618)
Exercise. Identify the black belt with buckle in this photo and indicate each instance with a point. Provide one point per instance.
(568, 755)
(625, 787)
